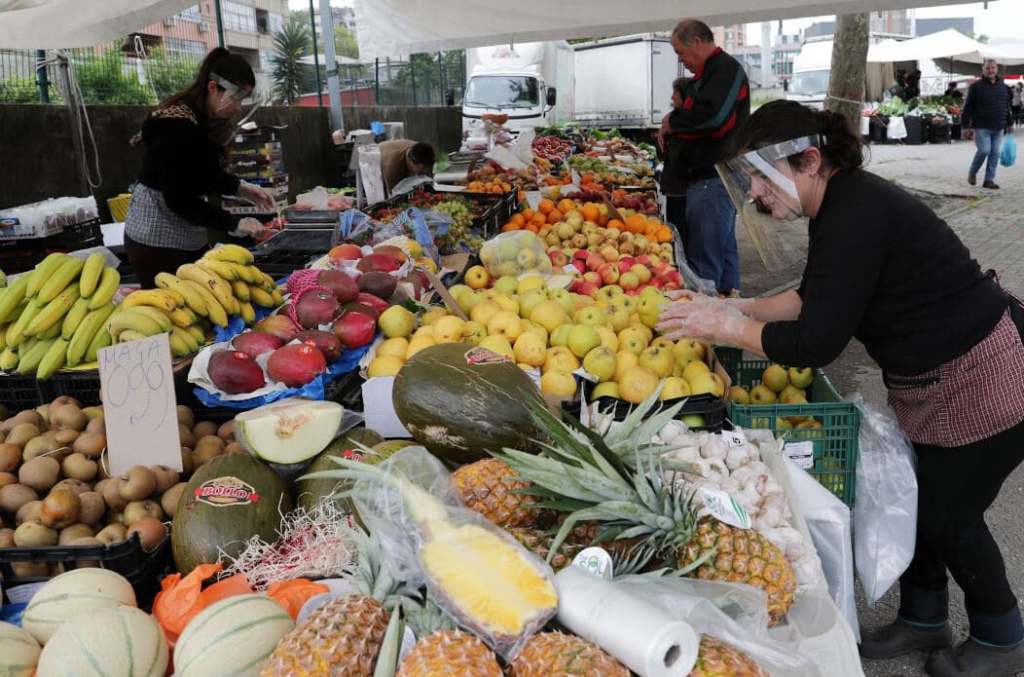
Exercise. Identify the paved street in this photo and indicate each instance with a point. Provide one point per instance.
(991, 223)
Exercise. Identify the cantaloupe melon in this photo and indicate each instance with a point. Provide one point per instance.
(114, 642)
(235, 637)
(19, 651)
(72, 593)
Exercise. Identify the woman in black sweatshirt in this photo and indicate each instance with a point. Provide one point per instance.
(183, 163)
(884, 269)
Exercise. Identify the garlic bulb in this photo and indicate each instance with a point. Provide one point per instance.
(714, 447)
(736, 457)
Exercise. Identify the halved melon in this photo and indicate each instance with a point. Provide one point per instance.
(289, 431)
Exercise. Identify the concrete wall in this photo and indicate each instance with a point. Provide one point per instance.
(38, 159)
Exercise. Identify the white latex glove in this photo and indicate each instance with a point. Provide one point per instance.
(249, 227)
(257, 195)
(702, 317)
(742, 305)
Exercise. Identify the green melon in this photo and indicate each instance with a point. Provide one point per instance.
(229, 500)
(308, 492)
(459, 400)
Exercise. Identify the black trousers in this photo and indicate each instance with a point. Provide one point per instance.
(955, 488)
(147, 261)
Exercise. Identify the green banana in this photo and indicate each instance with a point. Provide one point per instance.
(197, 333)
(74, 318)
(43, 270)
(60, 279)
(16, 330)
(52, 332)
(132, 320)
(105, 290)
(101, 340)
(189, 339)
(8, 359)
(156, 315)
(54, 311)
(13, 297)
(87, 330)
(30, 360)
(54, 359)
(91, 272)
(130, 335)
(178, 346)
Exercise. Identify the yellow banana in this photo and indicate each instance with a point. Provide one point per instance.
(214, 310)
(43, 270)
(3, 337)
(179, 299)
(221, 269)
(231, 252)
(134, 320)
(16, 330)
(182, 317)
(87, 330)
(193, 299)
(52, 332)
(220, 289)
(130, 335)
(30, 360)
(266, 282)
(189, 339)
(248, 313)
(74, 318)
(54, 311)
(196, 332)
(240, 290)
(101, 340)
(260, 297)
(178, 346)
(91, 272)
(109, 281)
(13, 297)
(277, 297)
(61, 278)
(250, 274)
(155, 314)
(8, 359)
(156, 298)
(54, 359)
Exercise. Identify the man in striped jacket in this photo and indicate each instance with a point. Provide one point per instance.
(697, 135)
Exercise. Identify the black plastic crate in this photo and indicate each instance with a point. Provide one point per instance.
(142, 569)
(19, 255)
(291, 250)
(712, 408)
(19, 392)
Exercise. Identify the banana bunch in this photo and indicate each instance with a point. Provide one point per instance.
(149, 312)
(59, 305)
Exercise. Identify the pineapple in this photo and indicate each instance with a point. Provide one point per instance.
(581, 475)
(553, 654)
(538, 542)
(343, 636)
(490, 488)
(715, 658)
(442, 649)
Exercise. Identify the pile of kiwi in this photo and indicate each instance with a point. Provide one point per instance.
(55, 489)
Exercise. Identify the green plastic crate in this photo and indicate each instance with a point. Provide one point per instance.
(835, 444)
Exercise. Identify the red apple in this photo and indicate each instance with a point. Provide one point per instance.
(628, 259)
(643, 273)
(580, 265)
(657, 282)
(580, 255)
(592, 277)
(629, 281)
(587, 289)
(609, 273)
(672, 285)
(660, 269)
(623, 266)
(558, 258)
(675, 276)
(632, 292)
(355, 329)
(644, 259)
(594, 260)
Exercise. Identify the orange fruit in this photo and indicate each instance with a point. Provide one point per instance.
(590, 212)
(554, 216)
(527, 214)
(545, 206)
(615, 223)
(518, 219)
(636, 223)
(509, 225)
(539, 219)
(533, 228)
(566, 206)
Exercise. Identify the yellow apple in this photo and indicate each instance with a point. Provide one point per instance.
(560, 336)
(561, 358)
(384, 365)
(694, 369)
(473, 333)
(549, 314)
(582, 339)
(507, 303)
(608, 338)
(601, 362)
(674, 388)
(530, 349)
(469, 300)
(558, 384)
(449, 329)
(530, 300)
(662, 342)
(649, 309)
(530, 283)
(582, 301)
(618, 319)
(535, 328)
(498, 344)
(484, 311)
(775, 377)
(505, 323)
(396, 321)
(393, 347)
(801, 378)
(636, 384)
(459, 289)
(433, 315)
(687, 349)
(418, 343)
(633, 340)
(706, 383)
(477, 277)
(592, 316)
(507, 285)
(658, 360)
(424, 331)
(626, 360)
(739, 395)
(606, 389)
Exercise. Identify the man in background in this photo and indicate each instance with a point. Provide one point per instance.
(986, 115)
(403, 158)
(715, 102)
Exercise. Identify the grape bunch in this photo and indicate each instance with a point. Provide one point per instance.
(459, 232)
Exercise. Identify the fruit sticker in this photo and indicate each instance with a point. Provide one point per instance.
(475, 356)
(221, 492)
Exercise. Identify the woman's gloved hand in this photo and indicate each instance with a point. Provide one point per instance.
(249, 227)
(256, 195)
(702, 317)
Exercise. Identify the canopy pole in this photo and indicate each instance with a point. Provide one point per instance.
(333, 88)
(316, 57)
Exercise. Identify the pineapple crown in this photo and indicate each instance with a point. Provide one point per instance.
(579, 473)
(371, 578)
(426, 618)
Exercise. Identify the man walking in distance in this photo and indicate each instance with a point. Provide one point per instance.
(986, 115)
(715, 103)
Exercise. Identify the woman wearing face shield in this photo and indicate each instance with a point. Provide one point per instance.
(184, 141)
(883, 268)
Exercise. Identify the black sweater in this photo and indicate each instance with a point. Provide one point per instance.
(987, 105)
(883, 268)
(182, 163)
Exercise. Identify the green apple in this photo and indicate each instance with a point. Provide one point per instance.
(606, 389)
(473, 333)
(693, 420)
(601, 362)
(507, 285)
(775, 377)
(593, 316)
(582, 339)
(564, 298)
(469, 300)
(782, 424)
(530, 300)
(762, 394)
(560, 336)
(658, 359)
(801, 378)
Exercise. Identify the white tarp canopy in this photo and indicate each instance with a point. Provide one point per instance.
(62, 24)
(944, 45)
(397, 28)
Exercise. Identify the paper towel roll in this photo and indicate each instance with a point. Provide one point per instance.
(645, 638)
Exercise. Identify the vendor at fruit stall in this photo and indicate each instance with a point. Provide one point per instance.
(884, 269)
(402, 159)
(184, 140)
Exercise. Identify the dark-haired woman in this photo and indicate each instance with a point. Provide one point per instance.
(184, 142)
(883, 268)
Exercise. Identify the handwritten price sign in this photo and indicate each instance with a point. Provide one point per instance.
(139, 404)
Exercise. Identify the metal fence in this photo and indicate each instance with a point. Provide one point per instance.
(158, 60)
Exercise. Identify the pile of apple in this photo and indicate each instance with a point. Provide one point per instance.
(575, 232)
(779, 385)
(633, 275)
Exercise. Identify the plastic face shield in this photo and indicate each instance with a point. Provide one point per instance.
(762, 186)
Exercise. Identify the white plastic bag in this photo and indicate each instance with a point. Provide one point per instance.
(885, 515)
(896, 130)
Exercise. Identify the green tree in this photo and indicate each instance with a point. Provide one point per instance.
(290, 44)
(430, 77)
(20, 90)
(169, 73)
(107, 79)
(345, 42)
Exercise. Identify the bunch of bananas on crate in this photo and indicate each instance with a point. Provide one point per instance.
(54, 315)
(149, 312)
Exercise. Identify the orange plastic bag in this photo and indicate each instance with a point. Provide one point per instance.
(180, 599)
(293, 594)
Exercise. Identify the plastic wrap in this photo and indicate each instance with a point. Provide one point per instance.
(385, 509)
(515, 253)
(692, 280)
(885, 515)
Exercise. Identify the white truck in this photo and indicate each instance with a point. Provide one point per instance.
(625, 82)
(530, 82)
